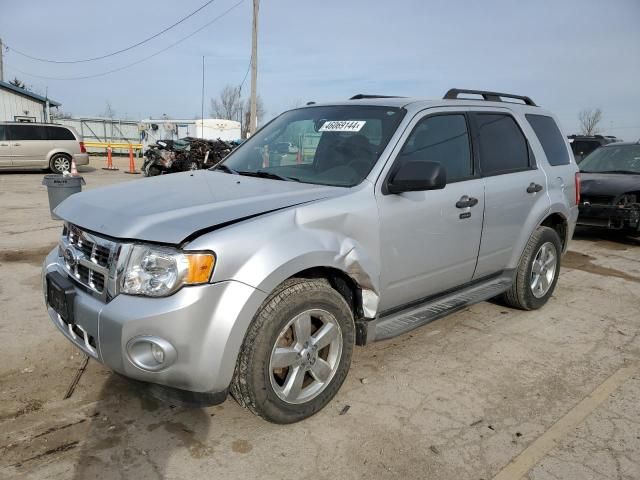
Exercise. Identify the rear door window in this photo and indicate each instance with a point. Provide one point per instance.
(550, 138)
(59, 133)
(503, 146)
(443, 139)
(26, 132)
(2, 135)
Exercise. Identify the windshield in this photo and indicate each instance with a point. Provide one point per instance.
(336, 145)
(621, 158)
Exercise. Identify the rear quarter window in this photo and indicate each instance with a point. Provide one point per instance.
(550, 138)
(59, 133)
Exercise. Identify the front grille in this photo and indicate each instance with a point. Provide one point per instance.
(87, 258)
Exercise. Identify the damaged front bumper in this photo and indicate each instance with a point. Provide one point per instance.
(616, 217)
(193, 327)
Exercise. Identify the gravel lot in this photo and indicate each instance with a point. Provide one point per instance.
(485, 393)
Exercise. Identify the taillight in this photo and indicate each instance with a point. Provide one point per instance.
(82, 149)
(577, 181)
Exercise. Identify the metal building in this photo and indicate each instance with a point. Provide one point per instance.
(20, 105)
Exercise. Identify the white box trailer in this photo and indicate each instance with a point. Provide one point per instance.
(169, 129)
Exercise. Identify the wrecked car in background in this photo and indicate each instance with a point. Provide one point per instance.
(610, 195)
(189, 153)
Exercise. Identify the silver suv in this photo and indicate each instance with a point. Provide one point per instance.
(40, 145)
(259, 276)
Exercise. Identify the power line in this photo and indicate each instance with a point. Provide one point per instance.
(116, 52)
(137, 61)
(244, 79)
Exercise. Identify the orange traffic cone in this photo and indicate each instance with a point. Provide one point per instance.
(109, 160)
(74, 168)
(132, 165)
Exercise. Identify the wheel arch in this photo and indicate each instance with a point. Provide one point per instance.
(341, 282)
(558, 222)
(58, 151)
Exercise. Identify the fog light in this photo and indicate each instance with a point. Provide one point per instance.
(151, 353)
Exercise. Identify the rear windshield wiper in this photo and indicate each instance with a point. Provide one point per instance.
(264, 174)
(223, 168)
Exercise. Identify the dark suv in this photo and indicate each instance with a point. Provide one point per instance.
(583, 145)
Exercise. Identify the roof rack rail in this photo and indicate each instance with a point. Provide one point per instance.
(361, 96)
(488, 96)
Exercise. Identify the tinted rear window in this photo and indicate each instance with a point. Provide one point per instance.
(26, 132)
(503, 147)
(551, 139)
(2, 137)
(59, 133)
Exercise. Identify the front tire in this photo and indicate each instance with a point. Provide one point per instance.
(537, 272)
(296, 353)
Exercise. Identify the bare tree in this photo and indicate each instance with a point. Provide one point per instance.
(228, 106)
(589, 120)
(260, 113)
(109, 112)
(60, 114)
(16, 82)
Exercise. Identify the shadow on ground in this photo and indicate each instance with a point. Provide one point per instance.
(132, 435)
(606, 238)
(37, 171)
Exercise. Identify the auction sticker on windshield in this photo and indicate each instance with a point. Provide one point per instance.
(342, 126)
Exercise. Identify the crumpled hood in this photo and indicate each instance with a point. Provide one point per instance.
(170, 208)
(610, 184)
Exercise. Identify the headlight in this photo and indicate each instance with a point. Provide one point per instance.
(159, 271)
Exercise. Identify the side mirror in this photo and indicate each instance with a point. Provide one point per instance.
(417, 177)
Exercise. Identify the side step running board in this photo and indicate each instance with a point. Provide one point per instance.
(404, 321)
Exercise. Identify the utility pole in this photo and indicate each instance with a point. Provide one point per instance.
(253, 121)
(1, 61)
(202, 103)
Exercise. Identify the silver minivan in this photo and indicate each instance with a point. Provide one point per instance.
(41, 146)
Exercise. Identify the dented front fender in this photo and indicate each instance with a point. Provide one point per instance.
(340, 233)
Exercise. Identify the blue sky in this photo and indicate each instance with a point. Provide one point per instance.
(566, 55)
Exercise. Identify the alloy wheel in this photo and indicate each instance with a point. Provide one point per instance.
(62, 164)
(543, 269)
(306, 356)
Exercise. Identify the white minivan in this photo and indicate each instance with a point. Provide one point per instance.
(41, 146)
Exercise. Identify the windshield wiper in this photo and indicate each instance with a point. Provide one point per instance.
(223, 168)
(264, 174)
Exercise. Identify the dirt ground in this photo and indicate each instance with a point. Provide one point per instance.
(488, 392)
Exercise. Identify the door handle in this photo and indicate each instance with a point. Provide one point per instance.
(16, 144)
(534, 188)
(4, 144)
(466, 201)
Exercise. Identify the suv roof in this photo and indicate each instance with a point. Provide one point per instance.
(451, 98)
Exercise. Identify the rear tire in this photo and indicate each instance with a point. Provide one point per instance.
(537, 272)
(285, 374)
(60, 163)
